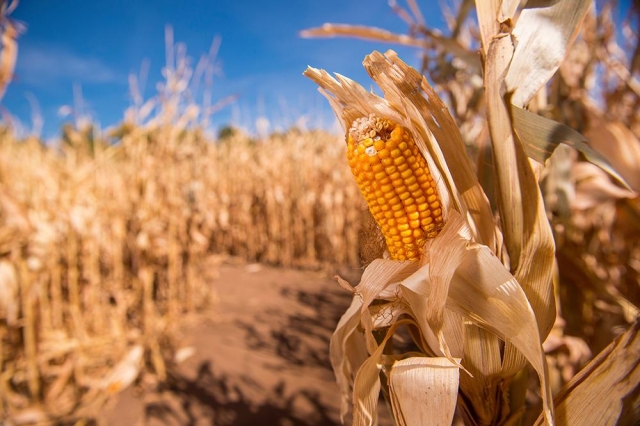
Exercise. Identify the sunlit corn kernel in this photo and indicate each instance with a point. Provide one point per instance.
(403, 227)
(399, 160)
(376, 167)
(387, 161)
(410, 180)
(386, 188)
(426, 221)
(403, 167)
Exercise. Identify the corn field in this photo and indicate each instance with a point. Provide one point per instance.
(109, 239)
(104, 250)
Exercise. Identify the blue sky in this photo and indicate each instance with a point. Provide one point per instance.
(97, 44)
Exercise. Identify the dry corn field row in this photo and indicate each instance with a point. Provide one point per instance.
(102, 252)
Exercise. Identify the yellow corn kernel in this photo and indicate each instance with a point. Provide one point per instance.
(393, 176)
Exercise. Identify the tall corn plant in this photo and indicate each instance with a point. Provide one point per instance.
(478, 301)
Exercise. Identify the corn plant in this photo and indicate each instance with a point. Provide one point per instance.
(475, 293)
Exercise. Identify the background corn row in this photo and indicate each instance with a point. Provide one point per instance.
(103, 248)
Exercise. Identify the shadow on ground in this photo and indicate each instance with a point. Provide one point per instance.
(213, 396)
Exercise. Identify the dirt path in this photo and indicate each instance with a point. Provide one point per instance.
(262, 358)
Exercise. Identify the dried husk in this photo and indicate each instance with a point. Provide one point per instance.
(607, 390)
(407, 382)
(541, 37)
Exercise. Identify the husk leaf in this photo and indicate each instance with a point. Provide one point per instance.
(542, 35)
(412, 378)
(607, 390)
(541, 136)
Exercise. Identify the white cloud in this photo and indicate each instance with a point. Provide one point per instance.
(46, 65)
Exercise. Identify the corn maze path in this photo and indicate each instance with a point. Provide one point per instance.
(260, 358)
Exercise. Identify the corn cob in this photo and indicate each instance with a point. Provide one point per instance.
(394, 178)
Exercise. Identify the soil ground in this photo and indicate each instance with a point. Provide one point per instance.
(261, 357)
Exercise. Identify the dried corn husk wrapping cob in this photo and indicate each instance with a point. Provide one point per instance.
(459, 295)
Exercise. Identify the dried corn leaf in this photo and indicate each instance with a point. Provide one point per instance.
(594, 188)
(125, 372)
(413, 378)
(9, 292)
(8, 54)
(607, 390)
(366, 386)
(617, 144)
(379, 275)
(347, 352)
(541, 136)
(508, 9)
(542, 35)
(449, 45)
(363, 32)
(487, 11)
